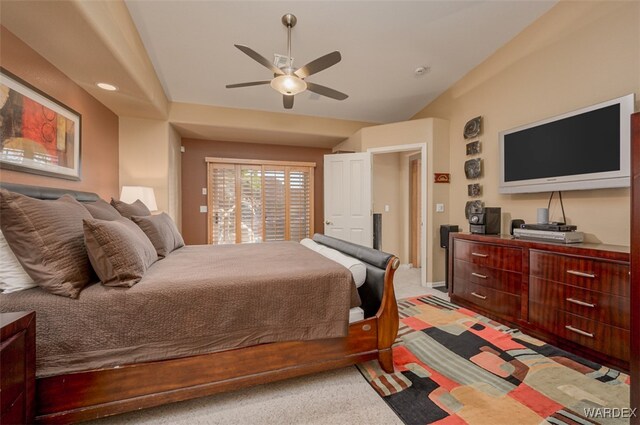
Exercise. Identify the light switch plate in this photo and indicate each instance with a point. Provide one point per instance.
(387, 208)
(439, 207)
(204, 190)
(203, 208)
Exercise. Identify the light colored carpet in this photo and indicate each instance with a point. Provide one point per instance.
(337, 397)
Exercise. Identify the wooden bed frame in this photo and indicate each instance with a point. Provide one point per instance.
(91, 394)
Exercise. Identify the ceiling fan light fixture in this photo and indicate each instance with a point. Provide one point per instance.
(288, 84)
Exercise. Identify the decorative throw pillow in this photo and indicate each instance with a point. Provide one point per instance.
(102, 210)
(161, 231)
(119, 251)
(13, 278)
(47, 239)
(137, 208)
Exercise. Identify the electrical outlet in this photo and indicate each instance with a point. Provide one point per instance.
(203, 208)
(440, 208)
(387, 208)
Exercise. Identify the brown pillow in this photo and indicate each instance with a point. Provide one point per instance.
(128, 210)
(161, 231)
(102, 210)
(119, 251)
(47, 239)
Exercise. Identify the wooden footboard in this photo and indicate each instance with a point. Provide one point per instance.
(81, 396)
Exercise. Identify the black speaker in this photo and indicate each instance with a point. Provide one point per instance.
(445, 229)
(486, 222)
(377, 231)
(515, 224)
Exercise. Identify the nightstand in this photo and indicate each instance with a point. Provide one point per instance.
(17, 367)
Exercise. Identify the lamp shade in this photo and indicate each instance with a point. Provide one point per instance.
(130, 194)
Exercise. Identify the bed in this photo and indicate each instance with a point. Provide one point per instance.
(108, 377)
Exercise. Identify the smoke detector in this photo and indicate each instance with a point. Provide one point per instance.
(422, 70)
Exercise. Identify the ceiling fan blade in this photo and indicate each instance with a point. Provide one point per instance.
(259, 58)
(326, 91)
(252, 83)
(287, 101)
(323, 62)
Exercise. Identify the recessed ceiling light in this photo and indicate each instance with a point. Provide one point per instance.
(107, 86)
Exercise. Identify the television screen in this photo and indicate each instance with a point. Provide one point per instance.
(584, 149)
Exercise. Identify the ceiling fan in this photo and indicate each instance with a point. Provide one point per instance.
(288, 80)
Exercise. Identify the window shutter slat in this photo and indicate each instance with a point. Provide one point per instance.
(274, 199)
(223, 214)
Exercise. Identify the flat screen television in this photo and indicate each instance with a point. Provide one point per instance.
(584, 149)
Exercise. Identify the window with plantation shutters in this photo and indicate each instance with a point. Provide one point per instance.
(259, 201)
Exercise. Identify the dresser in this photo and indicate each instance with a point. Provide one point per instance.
(574, 296)
(17, 367)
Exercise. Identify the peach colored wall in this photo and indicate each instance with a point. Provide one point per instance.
(194, 177)
(578, 54)
(99, 137)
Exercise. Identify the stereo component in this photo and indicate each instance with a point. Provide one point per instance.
(487, 222)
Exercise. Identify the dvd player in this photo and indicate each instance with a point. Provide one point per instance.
(553, 227)
(549, 236)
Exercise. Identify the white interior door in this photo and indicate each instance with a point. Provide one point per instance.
(347, 197)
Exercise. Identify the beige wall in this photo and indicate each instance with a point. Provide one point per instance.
(149, 156)
(578, 54)
(387, 190)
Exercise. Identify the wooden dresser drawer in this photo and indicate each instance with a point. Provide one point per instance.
(605, 339)
(589, 273)
(12, 371)
(483, 254)
(604, 308)
(498, 302)
(501, 280)
(17, 367)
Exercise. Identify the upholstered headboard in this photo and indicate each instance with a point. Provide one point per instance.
(41, 192)
(376, 263)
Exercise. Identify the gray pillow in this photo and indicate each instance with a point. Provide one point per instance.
(47, 239)
(119, 251)
(161, 231)
(102, 210)
(128, 210)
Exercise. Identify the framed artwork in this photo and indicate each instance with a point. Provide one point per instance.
(473, 148)
(37, 133)
(473, 168)
(441, 178)
(472, 128)
(474, 190)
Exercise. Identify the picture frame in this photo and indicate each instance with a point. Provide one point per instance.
(473, 148)
(474, 190)
(38, 134)
(473, 168)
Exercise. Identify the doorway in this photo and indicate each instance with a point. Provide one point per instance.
(399, 195)
(415, 209)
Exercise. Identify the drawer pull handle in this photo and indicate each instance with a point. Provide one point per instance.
(477, 254)
(582, 303)
(578, 331)
(481, 276)
(581, 274)
(482, 297)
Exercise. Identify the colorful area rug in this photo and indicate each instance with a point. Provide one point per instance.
(454, 366)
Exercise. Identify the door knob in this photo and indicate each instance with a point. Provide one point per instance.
(328, 223)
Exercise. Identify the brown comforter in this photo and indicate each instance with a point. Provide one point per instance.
(199, 299)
